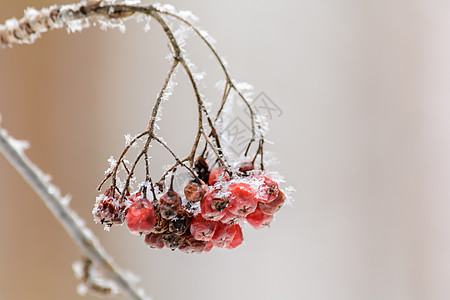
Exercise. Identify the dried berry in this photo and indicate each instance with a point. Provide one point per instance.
(194, 191)
(273, 206)
(141, 217)
(258, 219)
(108, 209)
(171, 240)
(169, 204)
(242, 199)
(190, 245)
(201, 229)
(180, 223)
(162, 225)
(201, 168)
(154, 240)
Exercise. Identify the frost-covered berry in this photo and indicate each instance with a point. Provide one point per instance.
(141, 217)
(134, 197)
(230, 218)
(201, 229)
(224, 234)
(169, 204)
(242, 199)
(180, 223)
(194, 191)
(273, 206)
(258, 219)
(154, 240)
(218, 175)
(238, 238)
(268, 190)
(208, 212)
(108, 209)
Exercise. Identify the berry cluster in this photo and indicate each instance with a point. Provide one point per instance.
(211, 213)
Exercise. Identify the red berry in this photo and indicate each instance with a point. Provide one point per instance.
(224, 234)
(273, 206)
(230, 218)
(218, 175)
(267, 191)
(169, 204)
(209, 245)
(154, 240)
(238, 238)
(258, 219)
(208, 212)
(194, 191)
(242, 199)
(201, 229)
(141, 217)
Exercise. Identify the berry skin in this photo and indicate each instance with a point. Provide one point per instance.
(238, 238)
(230, 218)
(169, 204)
(141, 217)
(180, 223)
(208, 246)
(201, 229)
(272, 207)
(224, 234)
(242, 199)
(268, 191)
(154, 240)
(218, 175)
(194, 191)
(208, 212)
(258, 219)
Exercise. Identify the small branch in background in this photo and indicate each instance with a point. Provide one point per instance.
(72, 223)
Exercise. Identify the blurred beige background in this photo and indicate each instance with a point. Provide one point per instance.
(364, 137)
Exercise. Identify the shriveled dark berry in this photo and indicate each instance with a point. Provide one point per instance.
(190, 245)
(194, 191)
(171, 240)
(154, 240)
(180, 223)
(201, 168)
(108, 209)
(162, 225)
(169, 204)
